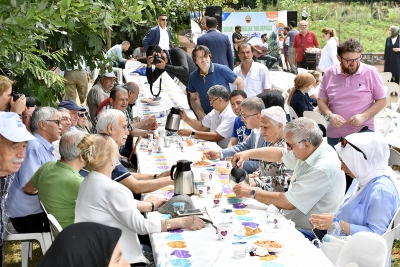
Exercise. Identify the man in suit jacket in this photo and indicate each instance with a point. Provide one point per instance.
(218, 44)
(251, 116)
(159, 35)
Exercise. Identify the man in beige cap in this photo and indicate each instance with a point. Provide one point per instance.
(99, 92)
(13, 140)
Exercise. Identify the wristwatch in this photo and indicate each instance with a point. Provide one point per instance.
(326, 117)
(193, 133)
(253, 192)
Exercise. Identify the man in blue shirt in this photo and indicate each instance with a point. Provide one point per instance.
(239, 132)
(26, 214)
(208, 74)
(115, 53)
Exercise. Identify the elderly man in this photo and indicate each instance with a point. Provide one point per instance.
(58, 182)
(218, 43)
(74, 110)
(65, 127)
(112, 123)
(13, 139)
(251, 116)
(239, 131)
(99, 92)
(317, 185)
(115, 53)
(303, 40)
(207, 75)
(26, 117)
(119, 100)
(218, 124)
(255, 75)
(26, 214)
(158, 35)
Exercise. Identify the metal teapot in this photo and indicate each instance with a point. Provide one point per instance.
(183, 178)
(173, 120)
(238, 176)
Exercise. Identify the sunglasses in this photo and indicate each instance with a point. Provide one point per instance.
(164, 19)
(84, 114)
(344, 143)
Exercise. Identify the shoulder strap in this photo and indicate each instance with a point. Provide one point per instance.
(301, 40)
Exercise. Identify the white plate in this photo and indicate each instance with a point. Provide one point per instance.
(201, 166)
(270, 249)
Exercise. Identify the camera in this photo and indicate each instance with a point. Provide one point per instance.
(30, 101)
(157, 59)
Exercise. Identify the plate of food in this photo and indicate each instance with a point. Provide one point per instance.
(201, 163)
(222, 170)
(270, 245)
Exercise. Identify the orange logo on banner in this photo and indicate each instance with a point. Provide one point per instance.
(272, 15)
(248, 19)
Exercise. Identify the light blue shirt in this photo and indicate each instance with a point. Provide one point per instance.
(19, 204)
(115, 53)
(372, 209)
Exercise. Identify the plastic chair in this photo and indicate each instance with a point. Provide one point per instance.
(301, 70)
(386, 76)
(389, 238)
(392, 87)
(44, 239)
(118, 71)
(292, 113)
(316, 117)
(132, 64)
(394, 159)
(385, 126)
(395, 221)
(55, 226)
(365, 249)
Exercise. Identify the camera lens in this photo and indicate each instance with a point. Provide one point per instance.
(16, 96)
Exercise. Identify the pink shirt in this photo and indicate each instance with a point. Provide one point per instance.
(348, 96)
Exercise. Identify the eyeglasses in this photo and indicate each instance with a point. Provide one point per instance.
(212, 101)
(164, 19)
(318, 81)
(304, 25)
(245, 117)
(344, 143)
(84, 114)
(56, 121)
(350, 61)
(203, 57)
(291, 146)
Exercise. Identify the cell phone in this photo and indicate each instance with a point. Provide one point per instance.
(190, 212)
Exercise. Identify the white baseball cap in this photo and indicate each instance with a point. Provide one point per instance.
(13, 129)
(109, 74)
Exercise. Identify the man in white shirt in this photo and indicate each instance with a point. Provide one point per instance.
(115, 53)
(218, 124)
(261, 50)
(159, 35)
(255, 75)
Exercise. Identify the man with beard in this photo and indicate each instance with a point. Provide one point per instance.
(351, 93)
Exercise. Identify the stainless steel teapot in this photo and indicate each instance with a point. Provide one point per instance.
(183, 178)
(238, 176)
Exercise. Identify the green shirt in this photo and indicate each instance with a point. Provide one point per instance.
(58, 186)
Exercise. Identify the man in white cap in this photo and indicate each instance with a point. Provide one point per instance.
(99, 92)
(13, 140)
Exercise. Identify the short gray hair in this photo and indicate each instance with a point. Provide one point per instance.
(253, 103)
(125, 43)
(131, 86)
(69, 145)
(109, 116)
(275, 114)
(304, 129)
(61, 109)
(42, 114)
(218, 91)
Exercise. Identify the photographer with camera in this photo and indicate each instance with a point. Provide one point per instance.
(18, 102)
(176, 62)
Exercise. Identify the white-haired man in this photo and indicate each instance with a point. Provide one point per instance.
(13, 140)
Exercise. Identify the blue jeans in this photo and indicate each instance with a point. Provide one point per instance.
(269, 61)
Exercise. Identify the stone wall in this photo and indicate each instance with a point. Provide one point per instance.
(372, 58)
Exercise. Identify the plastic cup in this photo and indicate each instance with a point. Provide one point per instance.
(167, 141)
(178, 206)
(206, 176)
(222, 232)
(239, 249)
(197, 184)
(202, 191)
(151, 136)
(216, 201)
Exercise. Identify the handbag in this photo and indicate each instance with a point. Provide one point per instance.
(309, 59)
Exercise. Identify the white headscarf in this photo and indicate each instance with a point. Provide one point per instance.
(376, 149)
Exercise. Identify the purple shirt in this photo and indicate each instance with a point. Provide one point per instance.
(348, 96)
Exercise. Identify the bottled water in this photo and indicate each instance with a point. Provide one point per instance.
(334, 228)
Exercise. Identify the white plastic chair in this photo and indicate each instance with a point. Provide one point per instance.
(133, 64)
(386, 76)
(392, 87)
(292, 113)
(389, 238)
(394, 159)
(385, 126)
(55, 226)
(365, 249)
(118, 71)
(301, 70)
(26, 251)
(95, 73)
(316, 117)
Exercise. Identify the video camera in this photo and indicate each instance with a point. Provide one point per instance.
(30, 101)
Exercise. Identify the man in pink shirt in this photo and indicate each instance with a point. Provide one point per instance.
(351, 93)
(303, 40)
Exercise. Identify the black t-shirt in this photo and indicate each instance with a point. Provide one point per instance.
(236, 35)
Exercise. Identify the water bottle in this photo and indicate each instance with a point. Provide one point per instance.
(334, 228)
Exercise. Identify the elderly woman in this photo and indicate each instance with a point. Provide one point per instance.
(83, 124)
(104, 201)
(272, 176)
(392, 53)
(373, 198)
(298, 98)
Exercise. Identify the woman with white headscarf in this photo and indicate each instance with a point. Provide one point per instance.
(391, 56)
(373, 197)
